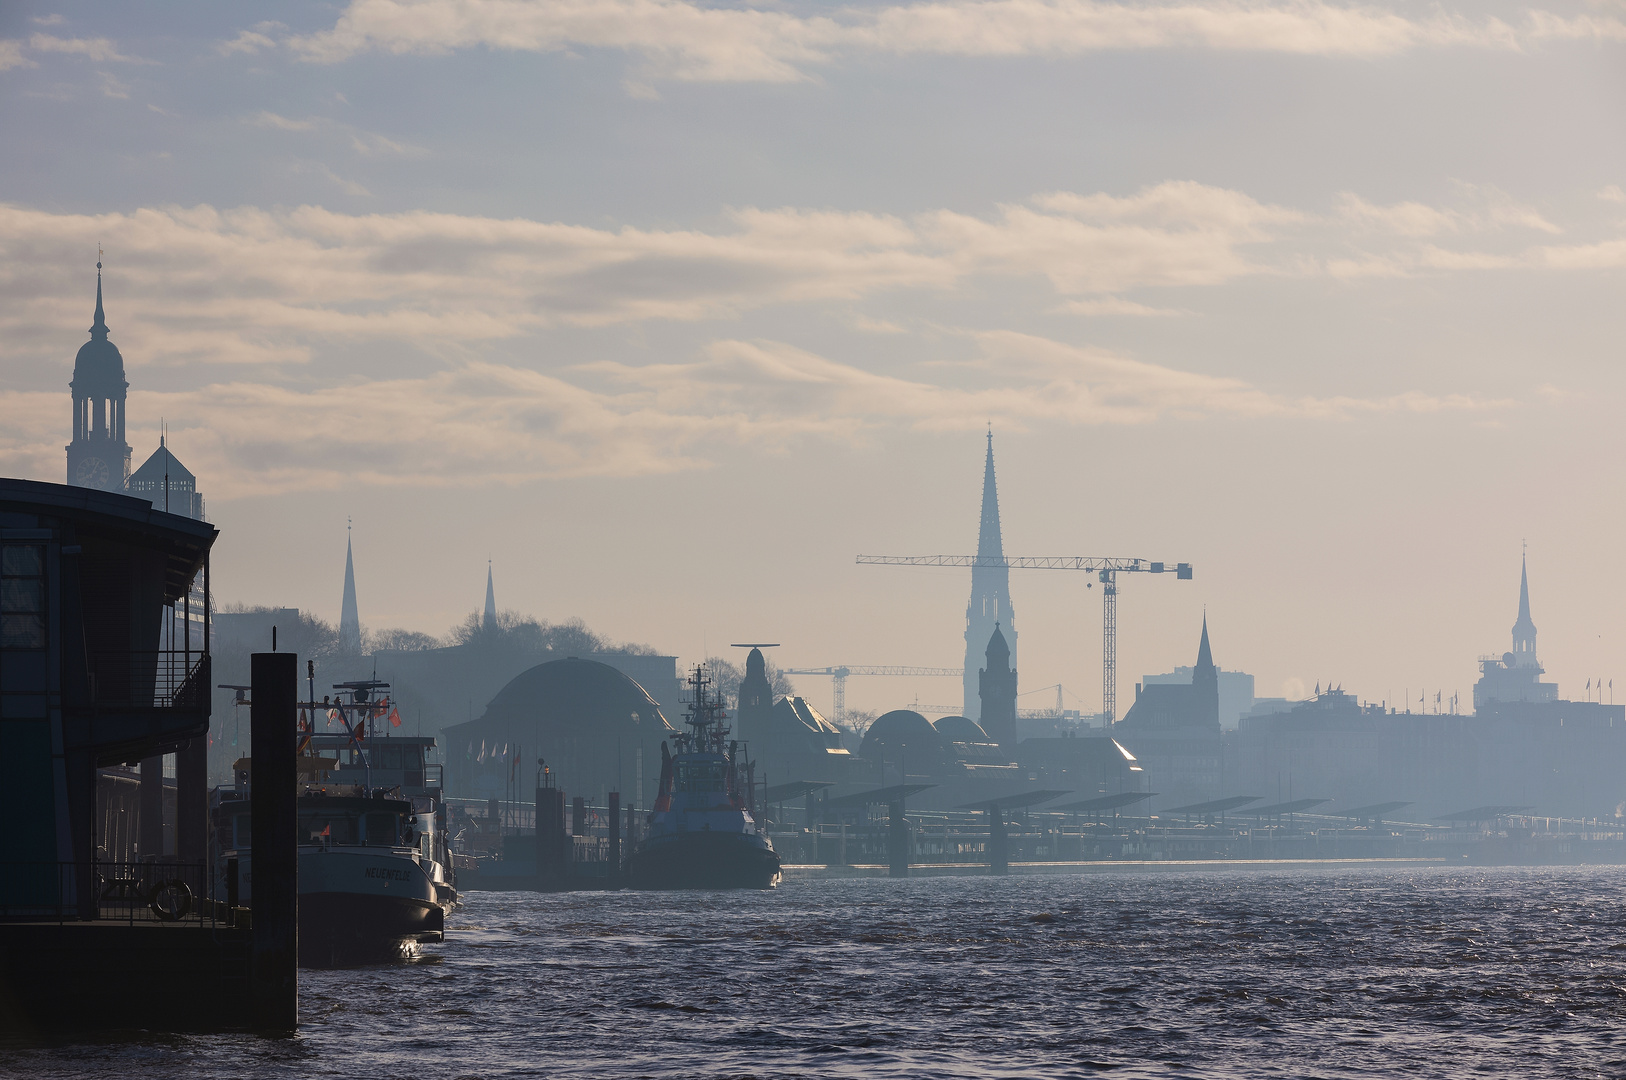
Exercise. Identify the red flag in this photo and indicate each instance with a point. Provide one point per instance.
(361, 730)
(395, 716)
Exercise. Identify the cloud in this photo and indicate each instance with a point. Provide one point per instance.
(366, 143)
(101, 50)
(250, 285)
(478, 421)
(1114, 305)
(268, 119)
(11, 55)
(112, 86)
(1485, 209)
(252, 41)
(691, 41)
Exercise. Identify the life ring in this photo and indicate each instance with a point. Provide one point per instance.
(170, 901)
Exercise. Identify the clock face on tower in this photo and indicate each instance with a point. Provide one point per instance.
(93, 473)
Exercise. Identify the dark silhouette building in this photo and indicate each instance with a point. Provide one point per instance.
(996, 688)
(170, 486)
(1174, 730)
(98, 456)
(788, 739)
(990, 604)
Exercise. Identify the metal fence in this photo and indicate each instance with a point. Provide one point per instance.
(150, 891)
(158, 678)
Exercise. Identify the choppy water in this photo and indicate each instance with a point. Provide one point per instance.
(1425, 972)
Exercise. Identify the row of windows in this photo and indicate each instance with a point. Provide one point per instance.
(22, 596)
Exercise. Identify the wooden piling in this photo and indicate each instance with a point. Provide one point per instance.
(275, 846)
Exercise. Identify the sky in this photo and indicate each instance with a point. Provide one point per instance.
(670, 309)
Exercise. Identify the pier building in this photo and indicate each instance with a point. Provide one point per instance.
(789, 739)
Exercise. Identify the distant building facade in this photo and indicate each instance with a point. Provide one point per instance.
(1522, 746)
(1236, 698)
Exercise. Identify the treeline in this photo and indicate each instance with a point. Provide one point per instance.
(319, 639)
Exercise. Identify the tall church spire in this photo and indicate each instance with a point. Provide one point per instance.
(349, 615)
(98, 327)
(1524, 630)
(489, 622)
(990, 605)
(990, 545)
(1205, 655)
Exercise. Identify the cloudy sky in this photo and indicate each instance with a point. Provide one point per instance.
(670, 309)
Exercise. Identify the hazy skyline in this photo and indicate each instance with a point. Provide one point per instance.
(670, 310)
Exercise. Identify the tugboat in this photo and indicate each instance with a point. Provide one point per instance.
(372, 840)
(701, 834)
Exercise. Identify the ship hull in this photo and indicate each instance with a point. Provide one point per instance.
(704, 860)
(343, 928)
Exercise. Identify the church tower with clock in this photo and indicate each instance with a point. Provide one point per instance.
(99, 457)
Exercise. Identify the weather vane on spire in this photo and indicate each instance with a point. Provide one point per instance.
(98, 254)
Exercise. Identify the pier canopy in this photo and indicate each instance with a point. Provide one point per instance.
(598, 730)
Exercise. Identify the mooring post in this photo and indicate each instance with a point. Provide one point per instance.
(615, 838)
(999, 858)
(543, 805)
(897, 846)
(150, 806)
(192, 812)
(275, 868)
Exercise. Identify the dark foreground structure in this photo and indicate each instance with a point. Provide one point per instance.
(89, 681)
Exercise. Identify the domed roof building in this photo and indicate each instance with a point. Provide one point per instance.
(904, 736)
(788, 739)
(960, 729)
(598, 730)
(966, 743)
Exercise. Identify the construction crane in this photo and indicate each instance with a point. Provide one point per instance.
(838, 675)
(1106, 571)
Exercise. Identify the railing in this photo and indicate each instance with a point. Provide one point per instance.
(159, 678)
(151, 891)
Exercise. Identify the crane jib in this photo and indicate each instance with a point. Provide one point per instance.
(1035, 562)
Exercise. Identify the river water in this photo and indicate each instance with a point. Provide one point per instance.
(1368, 972)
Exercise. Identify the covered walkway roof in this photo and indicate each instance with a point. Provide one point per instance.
(1105, 802)
(1218, 806)
(878, 795)
(1016, 800)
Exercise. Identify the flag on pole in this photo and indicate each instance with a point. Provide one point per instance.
(395, 716)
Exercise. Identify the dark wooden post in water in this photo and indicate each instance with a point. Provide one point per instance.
(999, 856)
(192, 810)
(897, 847)
(551, 841)
(275, 809)
(615, 838)
(150, 802)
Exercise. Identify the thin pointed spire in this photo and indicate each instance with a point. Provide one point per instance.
(98, 328)
(1524, 629)
(490, 620)
(349, 614)
(990, 544)
(1205, 655)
